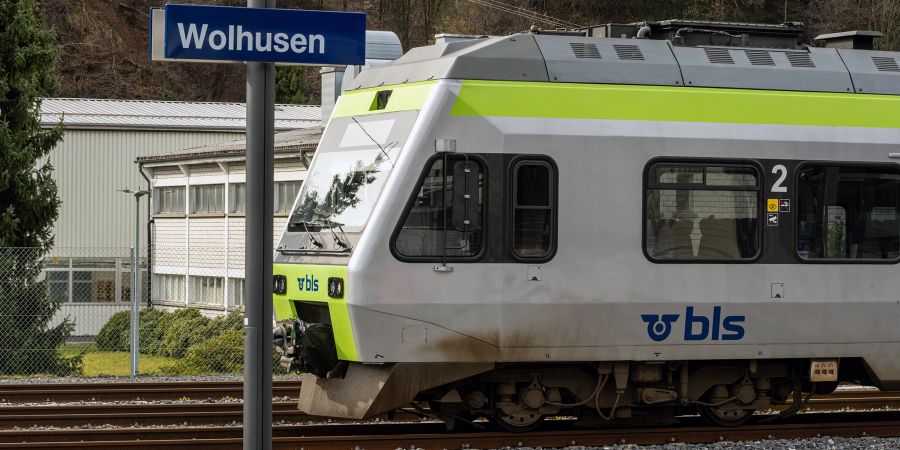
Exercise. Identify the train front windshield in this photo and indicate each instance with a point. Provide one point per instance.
(352, 164)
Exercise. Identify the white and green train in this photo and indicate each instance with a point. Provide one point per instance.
(692, 217)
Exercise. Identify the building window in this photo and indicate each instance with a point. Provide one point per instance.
(208, 198)
(431, 229)
(206, 291)
(82, 286)
(58, 285)
(848, 212)
(235, 292)
(168, 288)
(168, 200)
(702, 212)
(534, 184)
(285, 193)
(237, 197)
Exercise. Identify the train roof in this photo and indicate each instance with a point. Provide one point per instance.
(569, 58)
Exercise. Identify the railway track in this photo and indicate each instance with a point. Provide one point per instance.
(217, 424)
(223, 413)
(126, 391)
(431, 435)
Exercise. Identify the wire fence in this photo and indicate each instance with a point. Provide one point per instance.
(67, 312)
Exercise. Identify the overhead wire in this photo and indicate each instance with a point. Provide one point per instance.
(557, 20)
(523, 12)
(526, 13)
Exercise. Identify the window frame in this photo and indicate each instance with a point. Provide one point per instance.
(705, 162)
(195, 190)
(231, 207)
(276, 198)
(156, 197)
(796, 220)
(410, 202)
(513, 174)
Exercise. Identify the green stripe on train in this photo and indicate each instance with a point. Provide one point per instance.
(675, 104)
(337, 308)
(404, 97)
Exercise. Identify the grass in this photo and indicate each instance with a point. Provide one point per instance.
(97, 363)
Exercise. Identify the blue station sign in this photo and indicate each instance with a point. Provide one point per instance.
(286, 36)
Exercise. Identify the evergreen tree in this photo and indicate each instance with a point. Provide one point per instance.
(28, 198)
(293, 86)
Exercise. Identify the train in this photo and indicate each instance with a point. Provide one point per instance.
(622, 224)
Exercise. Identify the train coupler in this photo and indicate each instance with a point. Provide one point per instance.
(306, 347)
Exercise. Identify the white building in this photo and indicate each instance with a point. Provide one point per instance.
(197, 223)
(88, 266)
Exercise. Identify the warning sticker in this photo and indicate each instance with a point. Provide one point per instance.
(772, 220)
(784, 205)
(772, 205)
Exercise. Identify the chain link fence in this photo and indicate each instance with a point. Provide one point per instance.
(67, 312)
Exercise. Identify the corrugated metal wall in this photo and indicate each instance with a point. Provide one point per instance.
(89, 165)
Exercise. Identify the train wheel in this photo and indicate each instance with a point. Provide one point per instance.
(725, 417)
(519, 423)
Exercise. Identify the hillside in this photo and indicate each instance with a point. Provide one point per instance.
(104, 42)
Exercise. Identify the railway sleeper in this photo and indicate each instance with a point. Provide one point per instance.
(518, 397)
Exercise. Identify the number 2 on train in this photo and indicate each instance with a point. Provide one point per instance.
(779, 169)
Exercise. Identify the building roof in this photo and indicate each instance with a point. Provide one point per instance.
(298, 141)
(167, 115)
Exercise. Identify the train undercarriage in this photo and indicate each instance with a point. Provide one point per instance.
(519, 396)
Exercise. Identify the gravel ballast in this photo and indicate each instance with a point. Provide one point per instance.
(820, 443)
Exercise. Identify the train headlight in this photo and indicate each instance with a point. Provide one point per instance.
(280, 285)
(336, 287)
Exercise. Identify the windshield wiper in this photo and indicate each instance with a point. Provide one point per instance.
(305, 226)
(344, 242)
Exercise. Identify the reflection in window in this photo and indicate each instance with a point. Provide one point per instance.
(423, 234)
(848, 212)
(342, 189)
(533, 210)
(208, 198)
(702, 212)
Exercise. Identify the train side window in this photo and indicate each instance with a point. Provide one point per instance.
(533, 213)
(430, 228)
(702, 212)
(848, 213)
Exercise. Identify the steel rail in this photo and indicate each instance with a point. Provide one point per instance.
(123, 391)
(224, 413)
(149, 414)
(430, 436)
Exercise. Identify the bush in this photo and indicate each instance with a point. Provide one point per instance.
(187, 328)
(222, 354)
(233, 321)
(205, 345)
(114, 336)
(153, 324)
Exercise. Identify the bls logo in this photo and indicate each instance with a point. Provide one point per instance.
(696, 327)
(308, 283)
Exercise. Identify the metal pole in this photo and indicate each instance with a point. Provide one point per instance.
(258, 257)
(133, 348)
(136, 287)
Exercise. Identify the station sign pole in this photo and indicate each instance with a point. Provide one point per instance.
(258, 257)
(260, 36)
